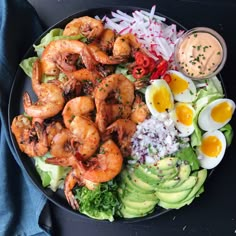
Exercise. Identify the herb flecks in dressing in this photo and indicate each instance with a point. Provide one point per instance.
(200, 54)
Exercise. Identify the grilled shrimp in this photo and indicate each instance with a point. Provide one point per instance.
(140, 111)
(102, 57)
(125, 129)
(32, 140)
(106, 165)
(52, 129)
(72, 178)
(87, 26)
(50, 97)
(125, 45)
(118, 84)
(121, 89)
(61, 145)
(56, 50)
(110, 112)
(116, 111)
(107, 40)
(82, 105)
(88, 79)
(86, 136)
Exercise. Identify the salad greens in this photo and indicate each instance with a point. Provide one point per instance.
(55, 34)
(27, 65)
(212, 91)
(101, 203)
(228, 133)
(187, 154)
(52, 176)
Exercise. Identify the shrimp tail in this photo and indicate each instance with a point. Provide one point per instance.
(27, 102)
(70, 182)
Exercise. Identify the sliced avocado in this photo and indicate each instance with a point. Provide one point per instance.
(176, 205)
(128, 183)
(186, 184)
(183, 174)
(128, 212)
(141, 206)
(168, 177)
(138, 196)
(201, 177)
(184, 171)
(167, 163)
(173, 197)
(200, 191)
(143, 172)
(138, 182)
(167, 171)
(169, 183)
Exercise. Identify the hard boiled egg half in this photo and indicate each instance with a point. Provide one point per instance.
(159, 98)
(216, 114)
(183, 115)
(212, 149)
(182, 87)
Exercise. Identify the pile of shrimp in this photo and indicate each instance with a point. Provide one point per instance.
(85, 121)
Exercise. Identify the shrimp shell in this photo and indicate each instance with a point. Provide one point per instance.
(108, 164)
(87, 26)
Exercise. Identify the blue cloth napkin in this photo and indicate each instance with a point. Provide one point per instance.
(21, 203)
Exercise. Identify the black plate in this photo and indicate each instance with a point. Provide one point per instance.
(22, 83)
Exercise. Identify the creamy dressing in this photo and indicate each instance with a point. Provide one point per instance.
(199, 54)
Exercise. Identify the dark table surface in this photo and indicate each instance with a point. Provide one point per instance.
(214, 213)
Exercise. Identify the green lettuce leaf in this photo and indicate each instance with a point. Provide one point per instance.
(206, 95)
(101, 203)
(188, 154)
(52, 176)
(27, 65)
(55, 34)
(228, 132)
(196, 136)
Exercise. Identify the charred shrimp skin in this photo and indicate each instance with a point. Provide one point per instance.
(50, 96)
(87, 26)
(55, 51)
(31, 138)
(123, 93)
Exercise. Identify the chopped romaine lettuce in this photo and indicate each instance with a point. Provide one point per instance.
(52, 176)
(27, 65)
(206, 95)
(101, 203)
(55, 34)
(196, 136)
(228, 133)
(188, 154)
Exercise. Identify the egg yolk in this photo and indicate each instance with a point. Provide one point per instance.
(161, 99)
(177, 84)
(211, 146)
(222, 112)
(184, 114)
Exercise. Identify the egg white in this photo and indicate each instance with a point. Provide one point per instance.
(185, 130)
(156, 87)
(206, 161)
(189, 94)
(205, 120)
